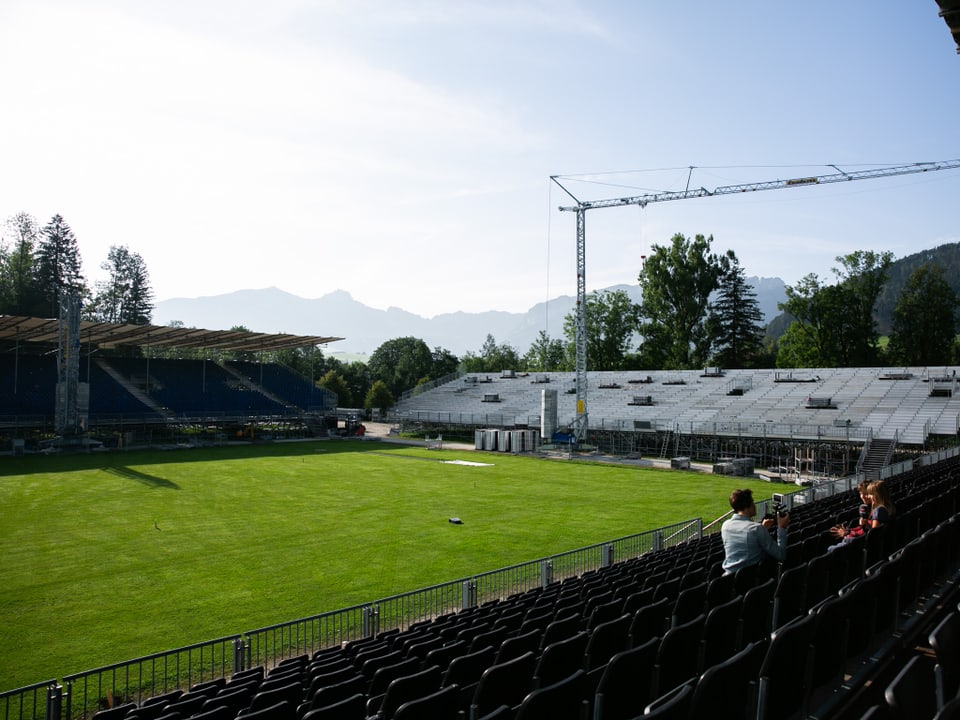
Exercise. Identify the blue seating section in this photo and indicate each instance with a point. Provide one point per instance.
(179, 387)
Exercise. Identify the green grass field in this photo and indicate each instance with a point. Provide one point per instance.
(110, 557)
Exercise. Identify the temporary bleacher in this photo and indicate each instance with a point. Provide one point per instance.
(885, 402)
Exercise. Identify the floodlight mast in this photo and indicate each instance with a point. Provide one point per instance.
(580, 325)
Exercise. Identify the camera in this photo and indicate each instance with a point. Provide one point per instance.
(778, 506)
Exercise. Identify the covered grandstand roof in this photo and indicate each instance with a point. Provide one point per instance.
(45, 331)
(950, 12)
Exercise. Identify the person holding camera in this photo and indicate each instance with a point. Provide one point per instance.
(746, 542)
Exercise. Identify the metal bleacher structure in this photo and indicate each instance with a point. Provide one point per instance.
(131, 391)
(670, 412)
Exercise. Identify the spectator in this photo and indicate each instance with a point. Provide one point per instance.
(746, 542)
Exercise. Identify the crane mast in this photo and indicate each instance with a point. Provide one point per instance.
(581, 207)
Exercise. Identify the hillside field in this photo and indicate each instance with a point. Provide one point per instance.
(107, 557)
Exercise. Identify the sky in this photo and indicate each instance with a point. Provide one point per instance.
(402, 150)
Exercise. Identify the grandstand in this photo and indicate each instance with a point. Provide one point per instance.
(130, 393)
(703, 413)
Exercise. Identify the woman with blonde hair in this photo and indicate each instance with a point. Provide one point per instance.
(883, 509)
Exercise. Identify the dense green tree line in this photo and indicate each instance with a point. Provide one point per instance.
(38, 264)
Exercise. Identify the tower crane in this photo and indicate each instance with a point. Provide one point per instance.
(581, 207)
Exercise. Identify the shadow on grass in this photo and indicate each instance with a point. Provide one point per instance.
(92, 461)
(141, 477)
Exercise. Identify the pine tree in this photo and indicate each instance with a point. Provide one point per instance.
(735, 324)
(57, 267)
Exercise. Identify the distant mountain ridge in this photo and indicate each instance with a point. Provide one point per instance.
(364, 329)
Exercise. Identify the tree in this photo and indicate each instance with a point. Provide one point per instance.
(735, 323)
(401, 363)
(677, 282)
(379, 396)
(862, 274)
(126, 296)
(335, 383)
(924, 320)
(356, 374)
(545, 355)
(443, 362)
(57, 267)
(795, 348)
(611, 322)
(492, 357)
(837, 321)
(17, 286)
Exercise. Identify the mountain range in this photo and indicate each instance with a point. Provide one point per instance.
(364, 328)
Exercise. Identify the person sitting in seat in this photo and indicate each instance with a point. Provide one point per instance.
(746, 542)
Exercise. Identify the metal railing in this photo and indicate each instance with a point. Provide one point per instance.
(27, 702)
(267, 646)
(792, 431)
(135, 680)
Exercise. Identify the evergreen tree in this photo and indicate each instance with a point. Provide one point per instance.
(735, 324)
(126, 296)
(17, 287)
(57, 267)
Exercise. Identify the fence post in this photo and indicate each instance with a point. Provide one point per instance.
(239, 655)
(546, 573)
(469, 594)
(608, 554)
(54, 702)
(657, 540)
(371, 621)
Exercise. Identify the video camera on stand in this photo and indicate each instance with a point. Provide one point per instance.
(778, 506)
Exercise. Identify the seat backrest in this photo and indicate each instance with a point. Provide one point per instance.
(945, 641)
(504, 684)
(563, 699)
(560, 659)
(678, 656)
(409, 687)
(352, 707)
(649, 621)
(441, 656)
(625, 686)
(606, 640)
(785, 673)
(912, 692)
(468, 668)
(674, 705)
(730, 685)
(720, 632)
(519, 644)
(439, 704)
(386, 674)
